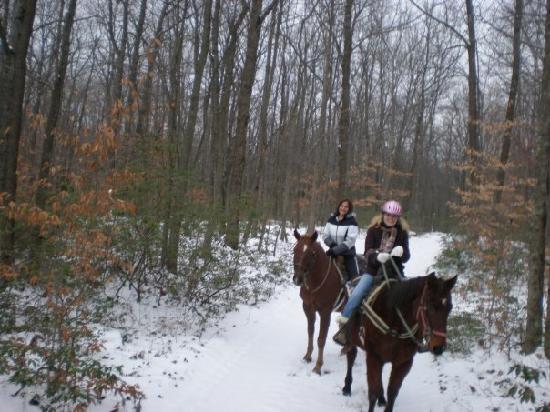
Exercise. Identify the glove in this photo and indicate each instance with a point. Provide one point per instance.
(397, 251)
(330, 252)
(383, 257)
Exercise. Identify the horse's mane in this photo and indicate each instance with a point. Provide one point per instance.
(403, 293)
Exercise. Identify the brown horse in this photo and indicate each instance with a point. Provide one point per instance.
(403, 318)
(321, 289)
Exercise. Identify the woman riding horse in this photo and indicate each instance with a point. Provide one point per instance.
(340, 234)
(387, 237)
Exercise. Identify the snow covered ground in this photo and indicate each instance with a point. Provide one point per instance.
(252, 361)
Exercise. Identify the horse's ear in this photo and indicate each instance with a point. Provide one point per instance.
(450, 283)
(296, 234)
(314, 236)
(431, 279)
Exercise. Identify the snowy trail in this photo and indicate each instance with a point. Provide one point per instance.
(252, 362)
(255, 363)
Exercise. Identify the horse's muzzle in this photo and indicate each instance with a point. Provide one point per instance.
(298, 278)
(438, 350)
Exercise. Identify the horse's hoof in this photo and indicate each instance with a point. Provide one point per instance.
(381, 400)
(307, 358)
(346, 391)
(317, 370)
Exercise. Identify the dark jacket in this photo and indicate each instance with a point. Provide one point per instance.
(373, 245)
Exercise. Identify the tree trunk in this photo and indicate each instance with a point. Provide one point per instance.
(152, 52)
(238, 146)
(13, 69)
(535, 281)
(115, 111)
(271, 64)
(173, 221)
(474, 147)
(344, 125)
(510, 116)
(325, 95)
(189, 130)
(221, 129)
(134, 62)
(55, 108)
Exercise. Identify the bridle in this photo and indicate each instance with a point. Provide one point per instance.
(422, 318)
(305, 273)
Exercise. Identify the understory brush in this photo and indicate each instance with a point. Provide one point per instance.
(489, 313)
(210, 281)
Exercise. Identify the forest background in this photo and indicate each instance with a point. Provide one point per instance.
(144, 142)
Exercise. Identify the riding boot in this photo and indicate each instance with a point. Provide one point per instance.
(343, 336)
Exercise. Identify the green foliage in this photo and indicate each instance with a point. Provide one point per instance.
(464, 332)
(522, 383)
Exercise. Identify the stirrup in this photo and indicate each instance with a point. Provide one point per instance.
(341, 336)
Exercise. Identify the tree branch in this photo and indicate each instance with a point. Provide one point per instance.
(268, 10)
(444, 23)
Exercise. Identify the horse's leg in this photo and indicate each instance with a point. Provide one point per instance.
(322, 338)
(351, 355)
(398, 373)
(310, 315)
(374, 379)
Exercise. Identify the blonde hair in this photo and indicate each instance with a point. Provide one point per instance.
(377, 221)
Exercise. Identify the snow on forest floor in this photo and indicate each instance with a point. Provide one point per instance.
(252, 361)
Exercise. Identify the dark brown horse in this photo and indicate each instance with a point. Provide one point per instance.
(405, 318)
(320, 289)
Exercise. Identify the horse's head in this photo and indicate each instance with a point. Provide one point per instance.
(305, 256)
(434, 309)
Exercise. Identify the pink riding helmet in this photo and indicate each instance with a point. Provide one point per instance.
(392, 207)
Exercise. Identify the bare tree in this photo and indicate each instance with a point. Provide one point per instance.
(510, 116)
(55, 107)
(13, 68)
(238, 146)
(535, 281)
(344, 125)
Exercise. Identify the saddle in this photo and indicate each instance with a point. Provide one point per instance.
(362, 266)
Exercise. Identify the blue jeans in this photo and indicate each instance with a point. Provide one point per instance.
(357, 295)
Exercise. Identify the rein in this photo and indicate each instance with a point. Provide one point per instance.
(324, 279)
(421, 318)
(341, 295)
(378, 322)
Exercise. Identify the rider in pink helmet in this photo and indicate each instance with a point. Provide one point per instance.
(392, 207)
(387, 238)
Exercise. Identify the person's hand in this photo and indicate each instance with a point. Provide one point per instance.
(383, 257)
(397, 251)
(330, 252)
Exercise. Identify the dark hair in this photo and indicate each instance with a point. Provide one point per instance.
(340, 204)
